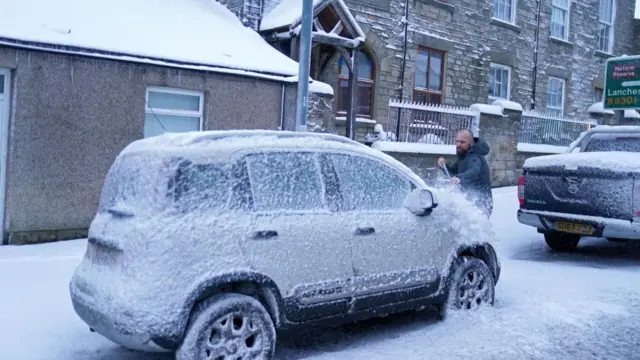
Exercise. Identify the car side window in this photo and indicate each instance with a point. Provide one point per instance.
(204, 186)
(285, 181)
(367, 185)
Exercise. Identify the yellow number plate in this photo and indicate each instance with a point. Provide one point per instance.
(574, 228)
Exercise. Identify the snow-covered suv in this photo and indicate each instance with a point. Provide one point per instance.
(209, 243)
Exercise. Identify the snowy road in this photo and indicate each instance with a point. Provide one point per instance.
(549, 306)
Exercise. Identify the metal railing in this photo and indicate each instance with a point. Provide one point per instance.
(545, 129)
(429, 123)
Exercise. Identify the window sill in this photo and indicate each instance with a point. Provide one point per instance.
(492, 99)
(442, 5)
(560, 41)
(506, 25)
(603, 54)
(359, 120)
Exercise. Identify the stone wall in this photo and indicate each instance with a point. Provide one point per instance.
(471, 40)
(500, 127)
(71, 116)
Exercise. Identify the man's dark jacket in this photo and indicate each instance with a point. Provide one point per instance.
(475, 177)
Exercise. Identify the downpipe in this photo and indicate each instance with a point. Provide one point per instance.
(282, 107)
(404, 63)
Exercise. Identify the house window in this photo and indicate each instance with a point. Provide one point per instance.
(597, 94)
(555, 96)
(499, 82)
(605, 26)
(428, 82)
(560, 19)
(171, 110)
(504, 10)
(366, 85)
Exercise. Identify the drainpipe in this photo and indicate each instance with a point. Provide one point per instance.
(404, 63)
(535, 59)
(282, 107)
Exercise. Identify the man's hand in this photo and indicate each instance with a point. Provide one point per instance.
(442, 162)
(454, 180)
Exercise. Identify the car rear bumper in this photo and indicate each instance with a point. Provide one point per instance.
(120, 328)
(602, 227)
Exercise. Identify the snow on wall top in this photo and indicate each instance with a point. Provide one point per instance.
(319, 87)
(598, 108)
(199, 32)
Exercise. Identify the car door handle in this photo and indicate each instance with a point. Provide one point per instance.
(264, 234)
(365, 231)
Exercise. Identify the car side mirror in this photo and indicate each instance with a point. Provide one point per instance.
(421, 202)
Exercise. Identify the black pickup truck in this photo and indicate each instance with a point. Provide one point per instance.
(591, 190)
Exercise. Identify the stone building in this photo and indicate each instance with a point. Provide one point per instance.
(476, 51)
(76, 88)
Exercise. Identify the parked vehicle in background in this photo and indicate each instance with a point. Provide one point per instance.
(210, 243)
(592, 190)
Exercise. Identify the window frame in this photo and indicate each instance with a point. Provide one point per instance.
(597, 89)
(343, 205)
(610, 25)
(359, 81)
(563, 98)
(567, 20)
(173, 112)
(245, 158)
(512, 15)
(501, 67)
(427, 91)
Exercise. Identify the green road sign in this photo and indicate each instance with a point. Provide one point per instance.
(622, 83)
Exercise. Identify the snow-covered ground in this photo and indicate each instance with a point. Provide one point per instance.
(549, 306)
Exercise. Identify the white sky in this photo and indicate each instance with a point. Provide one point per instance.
(637, 15)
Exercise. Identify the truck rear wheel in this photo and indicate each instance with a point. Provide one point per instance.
(561, 242)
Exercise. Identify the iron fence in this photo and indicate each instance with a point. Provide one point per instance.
(544, 129)
(429, 123)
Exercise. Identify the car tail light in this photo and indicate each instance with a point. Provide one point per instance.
(521, 190)
(636, 198)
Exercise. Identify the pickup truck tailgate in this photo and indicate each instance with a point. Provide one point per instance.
(583, 191)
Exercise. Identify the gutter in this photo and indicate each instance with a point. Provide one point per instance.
(404, 63)
(535, 59)
(147, 60)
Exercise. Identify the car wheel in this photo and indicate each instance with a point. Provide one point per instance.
(561, 242)
(229, 326)
(471, 285)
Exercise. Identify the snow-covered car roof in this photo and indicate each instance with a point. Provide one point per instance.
(193, 34)
(226, 142)
(603, 129)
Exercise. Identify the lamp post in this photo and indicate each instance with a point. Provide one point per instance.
(304, 65)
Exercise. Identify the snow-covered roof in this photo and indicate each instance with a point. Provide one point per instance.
(200, 34)
(289, 13)
(284, 14)
(228, 142)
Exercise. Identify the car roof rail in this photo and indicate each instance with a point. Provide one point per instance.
(224, 134)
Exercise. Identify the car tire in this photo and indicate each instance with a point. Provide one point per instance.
(229, 326)
(561, 242)
(471, 285)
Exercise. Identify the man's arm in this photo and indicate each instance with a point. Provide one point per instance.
(453, 168)
(473, 172)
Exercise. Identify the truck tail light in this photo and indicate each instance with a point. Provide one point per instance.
(521, 181)
(636, 198)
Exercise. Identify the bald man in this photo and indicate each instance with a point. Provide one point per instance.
(471, 170)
